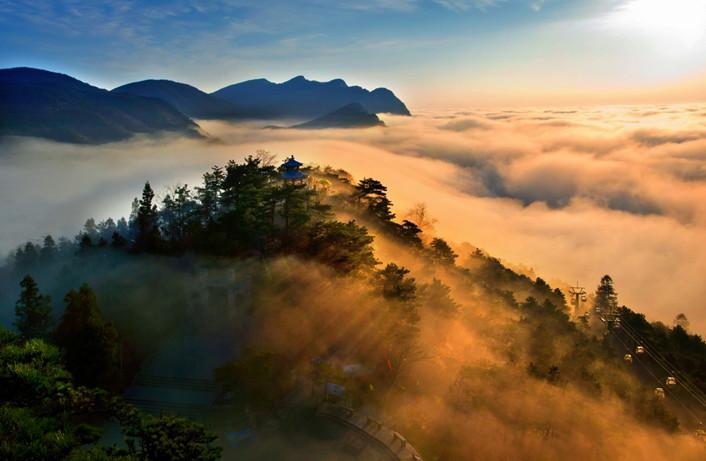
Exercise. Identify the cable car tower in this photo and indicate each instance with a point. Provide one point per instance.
(578, 296)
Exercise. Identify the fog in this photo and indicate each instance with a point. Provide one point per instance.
(463, 399)
(571, 193)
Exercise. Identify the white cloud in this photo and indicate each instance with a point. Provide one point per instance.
(465, 5)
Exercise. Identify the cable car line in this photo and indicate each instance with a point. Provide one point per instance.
(671, 370)
(655, 352)
(671, 393)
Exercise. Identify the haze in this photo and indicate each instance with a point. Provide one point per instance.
(571, 193)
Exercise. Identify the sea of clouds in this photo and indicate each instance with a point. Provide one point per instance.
(570, 193)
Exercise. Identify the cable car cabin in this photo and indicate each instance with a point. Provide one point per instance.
(598, 310)
(616, 324)
(584, 299)
(628, 358)
(659, 393)
(671, 381)
(640, 350)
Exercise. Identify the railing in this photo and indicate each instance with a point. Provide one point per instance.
(374, 431)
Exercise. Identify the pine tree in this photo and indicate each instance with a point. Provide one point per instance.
(32, 310)
(148, 237)
(374, 193)
(26, 257)
(177, 215)
(48, 251)
(401, 290)
(90, 344)
(606, 298)
(209, 195)
(437, 296)
(409, 232)
(91, 229)
(442, 252)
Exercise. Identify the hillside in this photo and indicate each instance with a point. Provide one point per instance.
(49, 105)
(187, 99)
(294, 307)
(352, 115)
(302, 98)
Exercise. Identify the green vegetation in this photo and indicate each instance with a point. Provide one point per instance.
(44, 415)
(321, 309)
(32, 310)
(91, 345)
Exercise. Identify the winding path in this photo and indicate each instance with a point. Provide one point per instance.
(376, 433)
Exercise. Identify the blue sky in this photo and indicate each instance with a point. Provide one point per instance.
(434, 52)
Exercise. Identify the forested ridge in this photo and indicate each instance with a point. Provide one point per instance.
(334, 277)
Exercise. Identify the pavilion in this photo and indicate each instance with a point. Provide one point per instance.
(290, 170)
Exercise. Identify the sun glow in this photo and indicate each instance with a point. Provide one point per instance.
(669, 22)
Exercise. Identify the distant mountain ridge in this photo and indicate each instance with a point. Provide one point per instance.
(45, 104)
(40, 103)
(187, 99)
(302, 98)
(352, 115)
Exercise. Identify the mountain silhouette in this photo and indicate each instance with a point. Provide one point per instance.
(352, 115)
(45, 104)
(187, 99)
(302, 98)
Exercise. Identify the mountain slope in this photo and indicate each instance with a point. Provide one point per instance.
(352, 115)
(304, 98)
(45, 104)
(187, 99)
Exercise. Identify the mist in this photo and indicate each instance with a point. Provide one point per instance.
(568, 193)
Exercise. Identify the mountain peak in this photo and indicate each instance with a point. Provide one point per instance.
(338, 82)
(297, 79)
(301, 98)
(40, 103)
(33, 75)
(187, 99)
(352, 115)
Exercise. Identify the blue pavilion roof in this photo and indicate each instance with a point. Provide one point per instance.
(291, 163)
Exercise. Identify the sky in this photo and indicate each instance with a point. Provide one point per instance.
(432, 53)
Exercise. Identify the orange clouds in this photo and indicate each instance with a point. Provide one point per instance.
(572, 193)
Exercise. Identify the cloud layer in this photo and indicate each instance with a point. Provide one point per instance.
(572, 193)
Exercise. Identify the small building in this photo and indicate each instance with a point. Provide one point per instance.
(290, 171)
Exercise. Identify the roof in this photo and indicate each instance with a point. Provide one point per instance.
(291, 163)
(296, 174)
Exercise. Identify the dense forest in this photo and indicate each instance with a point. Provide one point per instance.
(444, 341)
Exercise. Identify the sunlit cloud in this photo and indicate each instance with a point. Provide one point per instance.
(673, 23)
(573, 193)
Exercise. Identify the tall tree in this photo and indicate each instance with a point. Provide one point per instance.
(148, 237)
(48, 251)
(90, 228)
(295, 200)
(442, 252)
(437, 296)
(409, 232)
(606, 298)
(347, 247)
(374, 194)
(32, 310)
(26, 257)
(210, 193)
(178, 211)
(401, 346)
(106, 229)
(91, 346)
